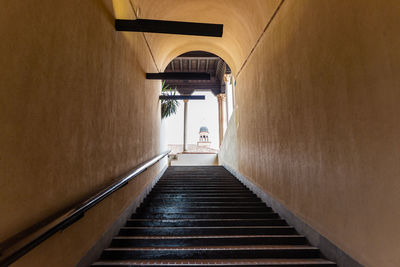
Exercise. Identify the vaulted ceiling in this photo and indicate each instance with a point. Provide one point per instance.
(244, 21)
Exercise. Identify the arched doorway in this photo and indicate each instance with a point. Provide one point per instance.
(193, 115)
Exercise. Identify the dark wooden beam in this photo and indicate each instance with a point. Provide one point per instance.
(171, 27)
(190, 86)
(198, 54)
(178, 76)
(182, 97)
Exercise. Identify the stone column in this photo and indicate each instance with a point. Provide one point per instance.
(185, 114)
(221, 116)
(228, 84)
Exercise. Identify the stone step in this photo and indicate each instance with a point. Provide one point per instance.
(207, 215)
(219, 262)
(204, 194)
(228, 192)
(182, 183)
(173, 203)
(199, 185)
(212, 252)
(207, 240)
(200, 180)
(197, 178)
(212, 230)
(173, 209)
(204, 199)
(205, 222)
(202, 190)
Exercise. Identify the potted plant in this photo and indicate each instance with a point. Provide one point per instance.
(168, 106)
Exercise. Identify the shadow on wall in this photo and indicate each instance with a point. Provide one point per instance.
(106, 10)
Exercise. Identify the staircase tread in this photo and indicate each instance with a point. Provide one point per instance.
(206, 236)
(207, 227)
(208, 197)
(214, 203)
(242, 247)
(178, 220)
(205, 262)
(202, 207)
(214, 212)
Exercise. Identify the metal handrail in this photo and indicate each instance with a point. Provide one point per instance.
(21, 246)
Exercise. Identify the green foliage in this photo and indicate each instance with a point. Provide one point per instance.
(168, 106)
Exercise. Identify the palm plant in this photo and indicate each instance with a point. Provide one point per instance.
(168, 106)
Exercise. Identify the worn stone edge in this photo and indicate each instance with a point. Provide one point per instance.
(327, 248)
(104, 241)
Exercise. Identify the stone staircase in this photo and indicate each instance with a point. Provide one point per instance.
(203, 216)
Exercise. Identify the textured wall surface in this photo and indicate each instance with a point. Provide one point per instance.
(318, 121)
(228, 154)
(75, 112)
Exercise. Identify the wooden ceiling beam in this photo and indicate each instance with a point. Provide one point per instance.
(195, 58)
(169, 27)
(200, 86)
(182, 97)
(178, 76)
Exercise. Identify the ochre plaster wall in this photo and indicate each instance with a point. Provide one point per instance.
(75, 112)
(318, 119)
(228, 154)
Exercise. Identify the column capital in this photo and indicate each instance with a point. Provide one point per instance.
(228, 78)
(221, 96)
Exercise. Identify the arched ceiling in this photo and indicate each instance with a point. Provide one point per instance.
(199, 61)
(243, 20)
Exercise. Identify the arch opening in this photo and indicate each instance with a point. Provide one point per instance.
(212, 113)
